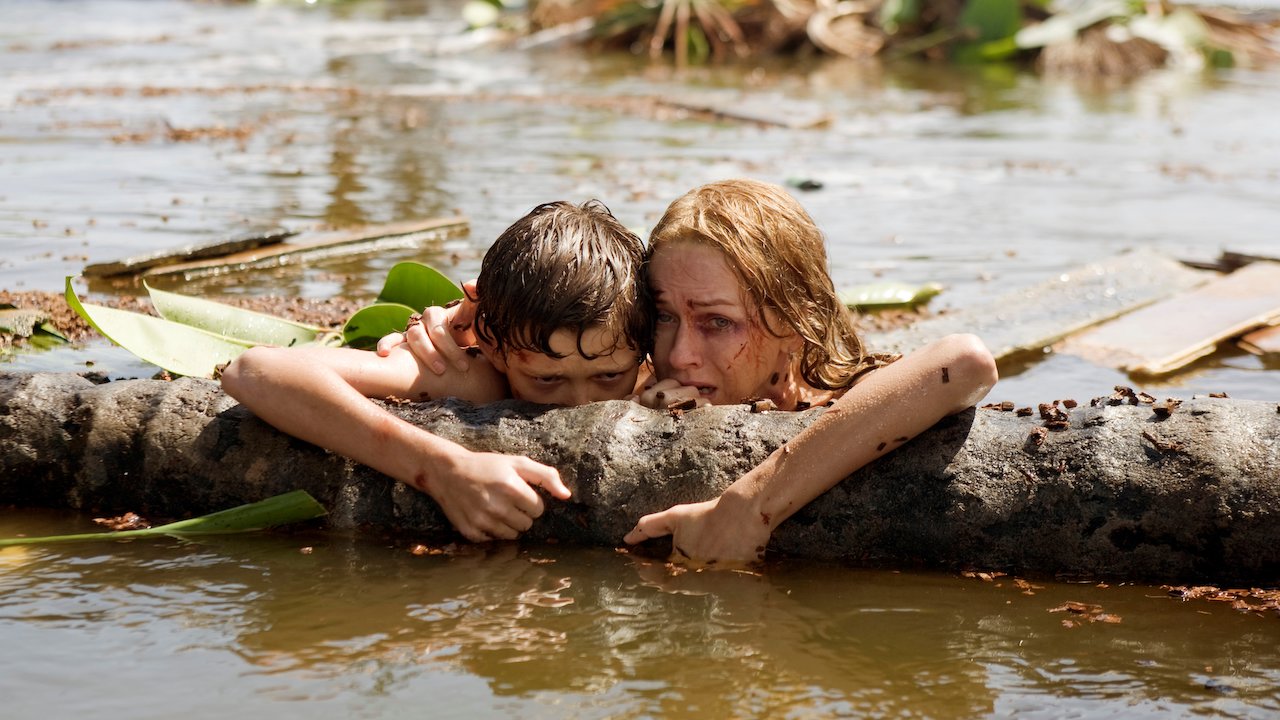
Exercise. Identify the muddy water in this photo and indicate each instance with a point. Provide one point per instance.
(127, 127)
(260, 626)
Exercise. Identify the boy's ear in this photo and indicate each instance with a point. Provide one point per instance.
(496, 359)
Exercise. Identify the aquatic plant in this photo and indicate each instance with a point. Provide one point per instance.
(1101, 37)
(283, 509)
(194, 337)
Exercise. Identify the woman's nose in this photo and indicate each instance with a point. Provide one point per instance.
(685, 350)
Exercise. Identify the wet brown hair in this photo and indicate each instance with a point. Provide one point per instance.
(780, 258)
(563, 266)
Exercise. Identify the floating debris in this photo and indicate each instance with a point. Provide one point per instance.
(127, 521)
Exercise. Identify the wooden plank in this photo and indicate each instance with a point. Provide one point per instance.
(1168, 335)
(1262, 342)
(139, 263)
(1035, 317)
(319, 245)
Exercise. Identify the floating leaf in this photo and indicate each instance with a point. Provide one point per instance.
(418, 286)
(886, 295)
(178, 348)
(252, 327)
(370, 324)
(290, 507)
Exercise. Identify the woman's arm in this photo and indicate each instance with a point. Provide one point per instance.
(891, 405)
(321, 395)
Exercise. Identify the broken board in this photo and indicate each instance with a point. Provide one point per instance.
(319, 245)
(1038, 316)
(1168, 335)
(1262, 342)
(140, 263)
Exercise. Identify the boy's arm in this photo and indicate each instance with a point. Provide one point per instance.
(320, 395)
(880, 413)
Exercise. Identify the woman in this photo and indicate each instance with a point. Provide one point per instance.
(745, 309)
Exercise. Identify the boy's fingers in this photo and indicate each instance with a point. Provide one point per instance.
(650, 526)
(389, 342)
(545, 477)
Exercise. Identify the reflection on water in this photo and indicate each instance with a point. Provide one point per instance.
(558, 631)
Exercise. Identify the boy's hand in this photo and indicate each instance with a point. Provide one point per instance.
(442, 335)
(487, 496)
(662, 394)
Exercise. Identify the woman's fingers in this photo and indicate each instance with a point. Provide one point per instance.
(652, 526)
(665, 393)
(433, 344)
(389, 342)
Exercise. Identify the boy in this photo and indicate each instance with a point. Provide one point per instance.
(561, 319)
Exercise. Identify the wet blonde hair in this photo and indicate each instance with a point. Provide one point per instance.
(780, 258)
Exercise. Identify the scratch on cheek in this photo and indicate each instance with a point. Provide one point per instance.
(741, 349)
(881, 446)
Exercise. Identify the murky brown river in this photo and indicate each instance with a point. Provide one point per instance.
(128, 127)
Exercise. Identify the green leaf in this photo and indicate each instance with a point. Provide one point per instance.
(178, 348)
(886, 295)
(991, 19)
(418, 286)
(252, 327)
(896, 13)
(370, 324)
(290, 507)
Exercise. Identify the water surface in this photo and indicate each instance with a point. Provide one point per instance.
(127, 127)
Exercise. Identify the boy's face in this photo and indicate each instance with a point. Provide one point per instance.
(573, 379)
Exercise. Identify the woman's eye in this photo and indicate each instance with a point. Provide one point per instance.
(664, 317)
(719, 323)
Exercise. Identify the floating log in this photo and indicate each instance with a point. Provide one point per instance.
(1033, 318)
(140, 263)
(1169, 335)
(318, 245)
(1119, 492)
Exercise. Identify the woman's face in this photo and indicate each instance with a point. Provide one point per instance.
(708, 332)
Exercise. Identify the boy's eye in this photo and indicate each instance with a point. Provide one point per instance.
(547, 379)
(609, 377)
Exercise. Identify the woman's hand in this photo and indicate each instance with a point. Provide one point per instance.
(662, 394)
(440, 338)
(724, 532)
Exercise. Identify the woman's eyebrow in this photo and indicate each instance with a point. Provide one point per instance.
(660, 296)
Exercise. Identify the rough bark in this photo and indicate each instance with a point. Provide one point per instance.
(1121, 492)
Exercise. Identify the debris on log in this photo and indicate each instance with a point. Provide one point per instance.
(1097, 497)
